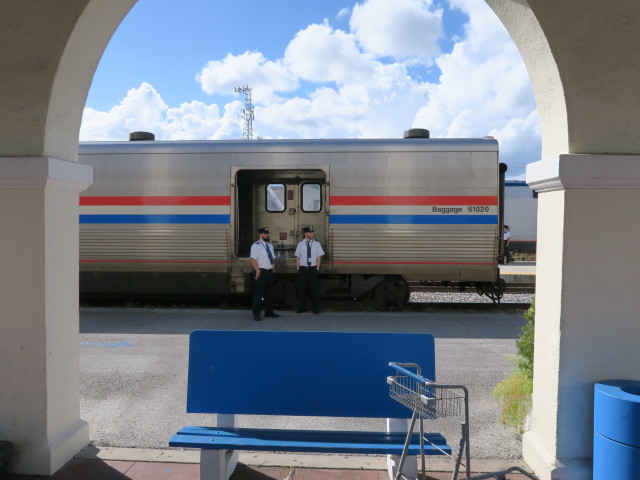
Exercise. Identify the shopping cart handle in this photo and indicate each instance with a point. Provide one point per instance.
(400, 368)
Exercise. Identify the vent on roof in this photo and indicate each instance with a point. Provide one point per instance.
(416, 133)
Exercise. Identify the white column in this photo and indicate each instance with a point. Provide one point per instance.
(39, 372)
(587, 301)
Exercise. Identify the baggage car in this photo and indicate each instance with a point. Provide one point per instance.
(177, 218)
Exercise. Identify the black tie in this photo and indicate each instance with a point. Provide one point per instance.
(308, 254)
(269, 253)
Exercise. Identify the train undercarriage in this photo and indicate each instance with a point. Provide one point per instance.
(379, 292)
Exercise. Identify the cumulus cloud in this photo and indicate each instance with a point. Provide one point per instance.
(321, 54)
(381, 107)
(144, 109)
(141, 109)
(483, 90)
(357, 84)
(402, 29)
(266, 76)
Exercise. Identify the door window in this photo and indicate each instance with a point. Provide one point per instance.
(275, 201)
(311, 197)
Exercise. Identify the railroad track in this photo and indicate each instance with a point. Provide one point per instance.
(421, 299)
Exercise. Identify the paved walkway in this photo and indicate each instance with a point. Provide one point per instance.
(136, 464)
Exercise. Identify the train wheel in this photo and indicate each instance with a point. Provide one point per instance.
(391, 293)
(494, 290)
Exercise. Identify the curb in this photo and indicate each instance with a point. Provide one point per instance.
(292, 460)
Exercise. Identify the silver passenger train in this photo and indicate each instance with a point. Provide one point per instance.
(178, 218)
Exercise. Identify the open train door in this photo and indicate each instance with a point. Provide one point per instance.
(286, 201)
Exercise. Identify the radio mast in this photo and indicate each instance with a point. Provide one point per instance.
(247, 113)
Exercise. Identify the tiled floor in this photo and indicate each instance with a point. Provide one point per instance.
(96, 469)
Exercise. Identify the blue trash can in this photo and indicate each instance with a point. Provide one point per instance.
(616, 430)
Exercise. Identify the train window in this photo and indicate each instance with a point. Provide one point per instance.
(275, 200)
(311, 197)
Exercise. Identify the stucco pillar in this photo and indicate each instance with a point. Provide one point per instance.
(587, 301)
(39, 371)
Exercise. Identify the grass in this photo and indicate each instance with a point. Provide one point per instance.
(514, 396)
(514, 392)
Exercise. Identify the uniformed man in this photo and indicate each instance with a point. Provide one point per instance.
(308, 257)
(262, 256)
(506, 240)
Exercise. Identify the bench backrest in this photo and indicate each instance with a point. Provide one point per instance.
(336, 374)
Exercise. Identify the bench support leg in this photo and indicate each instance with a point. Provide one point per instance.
(410, 467)
(217, 464)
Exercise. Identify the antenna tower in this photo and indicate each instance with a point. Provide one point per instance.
(247, 113)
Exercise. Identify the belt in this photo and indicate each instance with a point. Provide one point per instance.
(266, 269)
(312, 266)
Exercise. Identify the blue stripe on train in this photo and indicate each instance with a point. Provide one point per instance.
(155, 218)
(416, 219)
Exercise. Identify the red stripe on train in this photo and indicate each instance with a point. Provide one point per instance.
(158, 200)
(415, 263)
(413, 200)
(155, 261)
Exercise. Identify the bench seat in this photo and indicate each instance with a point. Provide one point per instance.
(317, 441)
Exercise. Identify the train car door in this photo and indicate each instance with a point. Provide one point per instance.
(284, 200)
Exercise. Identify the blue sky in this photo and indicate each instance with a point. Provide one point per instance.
(330, 69)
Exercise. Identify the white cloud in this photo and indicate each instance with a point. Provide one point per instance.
(381, 107)
(484, 89)
(351, 91)
(321, 54)
(141, 109)
(197, 120)
(265, 76)
(343, 13)
(402, 29)
(144, 109)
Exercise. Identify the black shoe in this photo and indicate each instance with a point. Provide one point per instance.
(271, 315)
(300, 310)
(257, 318)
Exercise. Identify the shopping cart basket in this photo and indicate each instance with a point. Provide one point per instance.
(430, 400)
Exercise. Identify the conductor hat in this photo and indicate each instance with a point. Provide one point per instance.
(308, 229)
(263, 230)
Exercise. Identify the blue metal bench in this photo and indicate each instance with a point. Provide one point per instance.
(316, 374)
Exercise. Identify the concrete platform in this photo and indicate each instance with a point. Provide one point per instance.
(518, 272)
(148, 464)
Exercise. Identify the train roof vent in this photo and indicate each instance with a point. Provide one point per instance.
(416, 133)
(135, 136)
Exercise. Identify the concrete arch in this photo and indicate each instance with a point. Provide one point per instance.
(49, 52)
(584, 72)
(584, 66)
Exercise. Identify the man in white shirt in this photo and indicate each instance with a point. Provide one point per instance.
(262, 256)
(506, 239)
(308, 258)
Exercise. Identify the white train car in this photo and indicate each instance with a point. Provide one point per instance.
(178, 218)
(521, 213)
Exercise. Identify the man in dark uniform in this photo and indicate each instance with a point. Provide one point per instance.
(308, 257)
(262, 256)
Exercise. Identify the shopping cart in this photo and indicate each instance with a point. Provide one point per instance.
(430, 400)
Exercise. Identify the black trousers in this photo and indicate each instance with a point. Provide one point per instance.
(506, 254)
(263, 289)
(307, 283)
